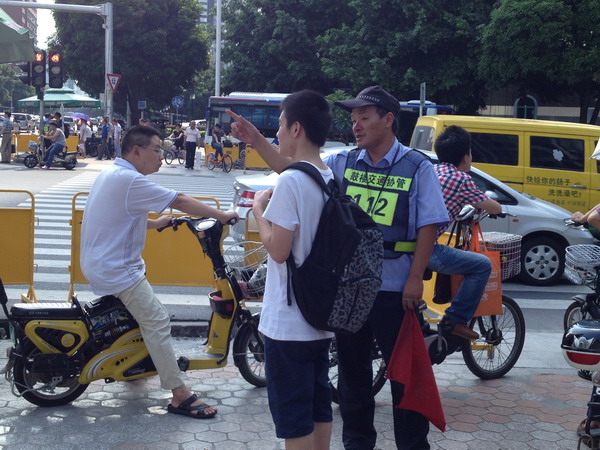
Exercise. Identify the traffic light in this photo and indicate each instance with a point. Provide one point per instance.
(55, 70)
(25, 77)
(38, 69)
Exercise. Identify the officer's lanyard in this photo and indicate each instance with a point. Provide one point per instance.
(389, 170)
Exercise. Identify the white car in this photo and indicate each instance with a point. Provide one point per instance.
(22, 121)
(540, 223)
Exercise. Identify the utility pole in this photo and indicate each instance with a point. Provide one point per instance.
(218, 51)
(105, 10)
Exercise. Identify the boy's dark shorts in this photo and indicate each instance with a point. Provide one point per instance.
(298, 385)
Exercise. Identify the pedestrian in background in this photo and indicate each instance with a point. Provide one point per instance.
(83, 130)
(191, 137)
(5, 146)
(104, 149)
(116, 136)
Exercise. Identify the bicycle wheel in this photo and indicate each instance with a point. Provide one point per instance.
(211, 162)
(169, 156)
(249, 353)
(500, 343)
(180, 157)
(227, 163)
(379, 369)
(573, 314)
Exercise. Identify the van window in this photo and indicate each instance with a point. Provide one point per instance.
(557, 153)
(494, 148)
(422, 138)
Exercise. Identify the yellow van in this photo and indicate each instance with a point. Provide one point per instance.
(547, 159)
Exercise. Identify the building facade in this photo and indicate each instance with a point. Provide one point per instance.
(24, 16)
(207, 15)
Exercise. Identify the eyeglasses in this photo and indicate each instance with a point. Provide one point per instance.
(157, 150)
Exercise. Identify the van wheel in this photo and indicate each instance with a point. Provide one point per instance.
(542, 261)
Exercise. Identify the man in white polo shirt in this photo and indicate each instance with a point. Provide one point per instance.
(112, 239)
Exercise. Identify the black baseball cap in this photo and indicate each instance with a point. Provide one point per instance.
(373, 95)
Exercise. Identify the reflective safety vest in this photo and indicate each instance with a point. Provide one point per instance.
(383, 193)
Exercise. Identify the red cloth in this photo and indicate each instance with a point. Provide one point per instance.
(411, 366)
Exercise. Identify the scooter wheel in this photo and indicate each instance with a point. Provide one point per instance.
(30, 161)
(32, 384)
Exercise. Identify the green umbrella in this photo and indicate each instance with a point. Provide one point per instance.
(57, 97)
(15, 42)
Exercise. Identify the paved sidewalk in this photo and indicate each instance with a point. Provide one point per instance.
(531, 408)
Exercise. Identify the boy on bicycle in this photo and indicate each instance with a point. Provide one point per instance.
(453, 148)
(296, 354)
(217, 135)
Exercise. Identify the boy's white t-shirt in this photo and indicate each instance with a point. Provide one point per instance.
(296, 205)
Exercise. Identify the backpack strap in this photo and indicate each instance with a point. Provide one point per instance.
(314, 173)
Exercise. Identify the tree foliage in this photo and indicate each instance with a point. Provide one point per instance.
(158, 48)
(548, 47)
(11, 88)
(399, 44)
(270, 45)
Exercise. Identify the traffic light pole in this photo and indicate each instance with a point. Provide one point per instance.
(106, 11)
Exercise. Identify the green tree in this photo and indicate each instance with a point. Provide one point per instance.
(270, 45)
(547, 47)
(11, 88)
(399, 44)
(158, 48)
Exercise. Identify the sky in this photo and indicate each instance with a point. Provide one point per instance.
(45, 24)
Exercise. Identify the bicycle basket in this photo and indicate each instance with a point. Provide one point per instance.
(248, 263)
(580, 263)
(509, 246)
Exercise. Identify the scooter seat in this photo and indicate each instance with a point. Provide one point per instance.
(45, 310)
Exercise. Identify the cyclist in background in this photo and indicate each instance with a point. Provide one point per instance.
(217, 135)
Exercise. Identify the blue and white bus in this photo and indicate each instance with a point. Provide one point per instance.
(262, 109)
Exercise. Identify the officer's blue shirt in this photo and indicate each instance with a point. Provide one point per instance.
(426, 206)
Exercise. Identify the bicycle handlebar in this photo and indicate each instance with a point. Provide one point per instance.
(176, 221)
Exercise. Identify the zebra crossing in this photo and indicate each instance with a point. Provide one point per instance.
(52, 238)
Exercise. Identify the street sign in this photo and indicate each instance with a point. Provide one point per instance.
(177, 102)
(113, 80)
(142, 104)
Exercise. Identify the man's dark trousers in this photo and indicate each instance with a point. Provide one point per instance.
(357, 405)
(190, 154)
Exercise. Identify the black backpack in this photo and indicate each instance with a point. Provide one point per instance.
(336, 285)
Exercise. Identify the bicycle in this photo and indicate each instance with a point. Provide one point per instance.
(502, 336)
(171, 154)
(225, 162)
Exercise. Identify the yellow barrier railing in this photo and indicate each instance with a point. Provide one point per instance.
(253, 160)
(172, 258)
(16, 245)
